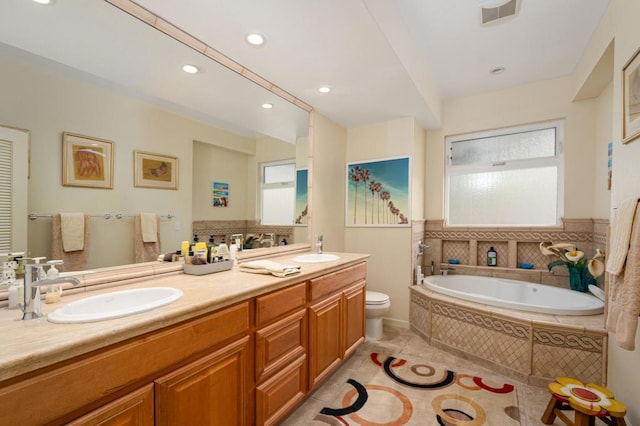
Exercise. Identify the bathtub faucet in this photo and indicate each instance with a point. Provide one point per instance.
(421, 247)
(445, 271)
(320, 244)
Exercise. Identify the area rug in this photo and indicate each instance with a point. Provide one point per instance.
(389, 390)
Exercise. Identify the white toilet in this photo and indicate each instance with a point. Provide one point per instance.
(377, 304)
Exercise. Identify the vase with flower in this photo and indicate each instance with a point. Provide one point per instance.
(582, 272)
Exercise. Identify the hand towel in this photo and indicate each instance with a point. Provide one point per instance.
(620, 234)
(72, 225)
(73, 260)
(269, 267)
(624, 294)
(149, 225)
(145, 252)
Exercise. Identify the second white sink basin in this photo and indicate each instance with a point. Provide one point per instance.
(115, 304)
(316, 258)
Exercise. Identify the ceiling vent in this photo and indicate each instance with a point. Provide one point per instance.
(497, 11)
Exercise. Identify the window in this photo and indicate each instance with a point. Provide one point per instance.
(278, 192)
(508, 176)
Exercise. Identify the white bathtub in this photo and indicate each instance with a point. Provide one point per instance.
(515, 294)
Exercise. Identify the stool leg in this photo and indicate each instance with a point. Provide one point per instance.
(584, 419)
(549, 415)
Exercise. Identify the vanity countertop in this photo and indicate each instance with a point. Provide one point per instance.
(30, 345)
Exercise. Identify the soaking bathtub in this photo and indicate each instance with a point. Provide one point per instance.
(527, 331)
(515, 294)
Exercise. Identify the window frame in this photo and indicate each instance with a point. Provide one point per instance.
(557, 160)
(263, 186)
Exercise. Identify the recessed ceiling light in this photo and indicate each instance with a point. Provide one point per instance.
(267, 106)
(255, 39)
(45, 2)
(324, 89)
(496, 70)
(190, 69)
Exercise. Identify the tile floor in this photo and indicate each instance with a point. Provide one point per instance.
(532, 400)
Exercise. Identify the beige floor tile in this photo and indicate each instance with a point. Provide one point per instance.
(532, 400)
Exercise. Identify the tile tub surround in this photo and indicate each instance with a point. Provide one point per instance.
(530, 347)
(31, 345)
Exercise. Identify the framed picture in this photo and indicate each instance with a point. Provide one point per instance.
(631, 99)
(378, 193)
(154, 170)
(87, 161)
(220, 194)
(302, 197)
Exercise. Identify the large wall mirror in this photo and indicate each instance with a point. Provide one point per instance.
(93, 70)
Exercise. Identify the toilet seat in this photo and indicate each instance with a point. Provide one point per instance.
(376, 298)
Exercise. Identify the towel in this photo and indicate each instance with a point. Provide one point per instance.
(269, 267)
(72, 225)
(620, 234)
(149, 226)
(73, 260)
(145, 252)
(624, 293)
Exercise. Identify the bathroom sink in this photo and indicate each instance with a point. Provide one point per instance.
(316, 258)
(115, 304)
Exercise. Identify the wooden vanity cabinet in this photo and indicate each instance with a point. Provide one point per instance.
(336, 319)
(281, 347)
(133, 409)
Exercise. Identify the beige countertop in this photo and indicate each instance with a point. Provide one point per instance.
(29, 345)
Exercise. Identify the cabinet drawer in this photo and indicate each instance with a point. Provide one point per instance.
(135, 408)
(281, 302)
(279, 343)
(277, 396)
(330, 283)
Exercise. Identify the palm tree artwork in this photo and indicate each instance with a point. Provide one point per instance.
(383, 180)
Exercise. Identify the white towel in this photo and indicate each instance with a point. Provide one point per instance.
(149, 225)
(72, 226)
(269, 267)
(620, 235)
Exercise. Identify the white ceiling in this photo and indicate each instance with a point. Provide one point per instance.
(384, 59)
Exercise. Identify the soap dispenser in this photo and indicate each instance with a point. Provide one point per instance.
(54, 291)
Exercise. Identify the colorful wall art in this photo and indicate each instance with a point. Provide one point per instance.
(378, 193)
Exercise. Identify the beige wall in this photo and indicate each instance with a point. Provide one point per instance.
(619, 23)
(541, 101)
(390, 266)
(604, 135)
(327, 182)
(48, 105)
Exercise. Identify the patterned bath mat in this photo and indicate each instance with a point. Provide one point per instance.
(387, 390)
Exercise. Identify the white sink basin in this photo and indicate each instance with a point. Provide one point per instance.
(316, 258)
(115, 304)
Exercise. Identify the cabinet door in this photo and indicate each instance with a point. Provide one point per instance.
(133, 409)
(278, 395)
(354, 317)
(279, 343)
(325, 338)
(213, 390)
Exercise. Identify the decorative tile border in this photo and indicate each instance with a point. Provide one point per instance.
(570, 340)
(510, 235)
(480, 320)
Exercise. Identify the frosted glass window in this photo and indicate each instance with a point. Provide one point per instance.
(279, 173)
(277, 206)
(277, 195)
(504, 197)
(507, 177)
(513, 146)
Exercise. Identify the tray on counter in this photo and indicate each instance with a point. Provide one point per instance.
(208, 268)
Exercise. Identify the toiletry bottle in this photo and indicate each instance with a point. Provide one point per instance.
(14, 292)
(492, 257)
(223, 249)
(54, 291)
(185, 246)
(211, 247)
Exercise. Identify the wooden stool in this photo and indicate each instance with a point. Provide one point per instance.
(588, 401)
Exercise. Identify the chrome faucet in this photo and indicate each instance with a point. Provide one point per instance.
(320, 244)
(421, 247)
(445, 271)
(31, 296)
